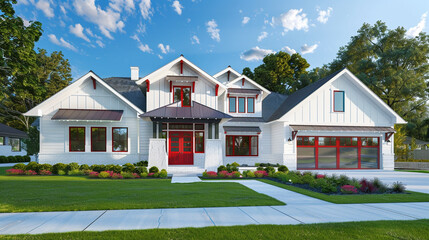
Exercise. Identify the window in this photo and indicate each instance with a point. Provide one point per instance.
(98, 139)
(241, 105)
(232, 104)
(199, 142)
(250, 105)
(199, 126)
(77, 139)
(338, 101)
(242, 145)
(182, 94)
(181, 126)
(1, 141)
(16, 144)
(119, 139)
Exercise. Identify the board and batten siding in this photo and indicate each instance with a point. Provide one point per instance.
(54, 137)
(159, 93)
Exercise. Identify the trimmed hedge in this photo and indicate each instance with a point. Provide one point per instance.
(14, 159)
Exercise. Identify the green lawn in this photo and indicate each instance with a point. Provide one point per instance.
(417, 171)
(417, 229)
(367, 198)
(3, 170)
(64, 193)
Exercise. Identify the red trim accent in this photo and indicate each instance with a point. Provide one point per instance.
(388, 135)
(196, 142)
(94, 83)
(181, 66)
(113, 128)
(294, 133)
(250, 145)
(105, 140)
(244, 104)
(147, 85)
(253, 105)
(242, 81)
(228, 74)
(257, 96)
(193, 87)
(337, 146)
(217, 89)
(84, 137)
(181, 94)
(344, 102)
(171, 86)
(235, 104)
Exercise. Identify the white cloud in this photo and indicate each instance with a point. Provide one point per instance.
(324, 15)
(26, 21)
(164, 49)
(108, 21)
(119, 5)
(63, 9)
(46, 8)
(213, 30)
(416, 30)
(288, 50)
(292, 20)
(61, 42)
(308, 49)
(144, 48)
(189, 20)
(160, 57)
(177, 7)
(195, 40)
(245, 20)
(77, 30)
(100, 43)
(145, 9)
(262, 36)
(255, 54)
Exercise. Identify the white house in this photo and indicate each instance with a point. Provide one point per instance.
(181, 116)
(10, 141)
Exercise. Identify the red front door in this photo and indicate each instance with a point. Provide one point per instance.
(181, 148)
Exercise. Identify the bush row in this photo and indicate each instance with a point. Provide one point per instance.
(14, 159)
(261, 167)
(127, 175)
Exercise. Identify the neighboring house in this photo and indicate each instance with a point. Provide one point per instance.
(419, 144)
(10, 141)
(181, 116)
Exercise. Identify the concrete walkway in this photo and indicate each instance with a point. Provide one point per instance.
(300, 209)
(185, 178)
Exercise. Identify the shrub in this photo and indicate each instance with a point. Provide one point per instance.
(260, 168)
(140, 169)
(58, 167)
(143, 175)
(151, 174)
(210, 174)
(349, 189)
(283, 168)
(320, 176)
(104, 174)
(221, 168)
(84, 167)
(33, 166)
(136, 175)
(72, 166)
(45, 172)
(153, 169)
(163, 173)
(61, 172)
(117, 176)
(367, 186)
(86, 172)
(141, 164)
(231, 168)
(98, 168)
(343, 180)
(250, 174)
(75, 172)
(398, 187)
(235, 164)
(114, 168)
(257, 164)
(30, 173)
(93, 174)
(382, 188)
(20, 166)
(222, 174)
(128, 167)
(45, 166)
(13, 172)
(260, 174)
(127, 175)
(269, 169)
(14, 159)
(155, 175)
(3, 159)
(308, 179)
(236, 174)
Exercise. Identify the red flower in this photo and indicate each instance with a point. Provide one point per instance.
(260, 174)
(14, 172)
(349, 189)
(320, 176)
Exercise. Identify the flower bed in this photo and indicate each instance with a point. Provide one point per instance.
(231, 171)
(126, 171)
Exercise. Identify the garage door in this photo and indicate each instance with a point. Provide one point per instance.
(338, 152)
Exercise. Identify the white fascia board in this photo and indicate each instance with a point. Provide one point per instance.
(226, 70)
(251, 81)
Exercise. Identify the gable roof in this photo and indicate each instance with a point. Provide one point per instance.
(271, 103)
(36, 111)
(249, 80)
(229, 68)
(129, 89)
(6, 131)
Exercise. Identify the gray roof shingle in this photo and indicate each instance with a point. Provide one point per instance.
(6, 131)
(129, 89)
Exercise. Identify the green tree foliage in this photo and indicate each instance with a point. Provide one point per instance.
(401, 151)
(280, 72)
(32, 142)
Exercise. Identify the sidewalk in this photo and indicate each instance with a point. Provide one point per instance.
(300, 209)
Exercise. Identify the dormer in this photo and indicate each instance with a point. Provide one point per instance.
(226, 75)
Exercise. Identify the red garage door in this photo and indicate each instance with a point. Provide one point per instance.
(338, 152)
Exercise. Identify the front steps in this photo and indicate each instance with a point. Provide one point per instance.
(185, 170)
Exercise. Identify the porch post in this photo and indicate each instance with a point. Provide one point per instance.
(210, 131)
(154, 129)
(216, 130)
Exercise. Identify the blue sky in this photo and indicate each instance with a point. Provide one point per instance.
(110, 36)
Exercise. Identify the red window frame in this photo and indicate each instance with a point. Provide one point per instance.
(253, 105)
(359, 146)
(195, 142)
(243, 104)
(84, 137)
(344, 102)
(235, 104)
(250, 145)
(113, 128)
(181, 95)
(105, 140)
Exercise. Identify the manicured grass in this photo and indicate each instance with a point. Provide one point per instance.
(417, 171)
(417, 229)
(64, 193)
(356, 198)
(3, 170)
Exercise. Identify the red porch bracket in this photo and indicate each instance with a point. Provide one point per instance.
(171, 86)
(257, 96)
(147, 85)
(193, 87)
(217, 89)
(388, 135)
(181, 66)
(294, 133)
(94, 83)
(242, 81)
(228, 74)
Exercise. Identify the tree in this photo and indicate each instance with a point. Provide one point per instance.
(32, 143)
(280, 72)
(247, 72)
